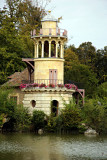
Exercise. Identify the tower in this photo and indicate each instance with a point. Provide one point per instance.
(48, 91)
(49, 52)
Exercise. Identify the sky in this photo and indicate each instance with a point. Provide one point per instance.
(85, 20)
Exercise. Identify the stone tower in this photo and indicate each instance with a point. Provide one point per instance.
(49, 52)
(48, 91)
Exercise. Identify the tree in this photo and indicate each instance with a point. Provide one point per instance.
(101, 65)
(101, 90)
(95, 114)
(16, 23)
(86, 54)
(12, 49)
(82, 76)
(70, 57)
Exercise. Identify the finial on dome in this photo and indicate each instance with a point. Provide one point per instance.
(49, 17)
(49, 11)
(59, 19)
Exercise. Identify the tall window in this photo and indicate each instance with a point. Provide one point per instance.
(53, 76)
(46, 49)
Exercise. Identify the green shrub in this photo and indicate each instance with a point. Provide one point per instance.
(18, 116)
(94, 113)
(70, 118)
(54, 124)
(38, 119)
(22, 118)
(102, 90)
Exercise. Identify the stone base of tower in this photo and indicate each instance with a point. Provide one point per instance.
(42, 99)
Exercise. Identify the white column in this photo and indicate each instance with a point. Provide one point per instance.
(42, 49)
(56, 49)
(61, 51)
(37, 49)
(49, 48)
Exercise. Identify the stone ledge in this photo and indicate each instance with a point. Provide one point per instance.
(49, 59)
(35, 89)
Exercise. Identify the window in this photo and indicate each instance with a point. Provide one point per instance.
(14, 99)
(33, 103)
(54, 107)
(53, 76)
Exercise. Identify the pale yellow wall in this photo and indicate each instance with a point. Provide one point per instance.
(42, 67)
(49, 24)
(43, 100)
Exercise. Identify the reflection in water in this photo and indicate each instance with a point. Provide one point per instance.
(52, 147)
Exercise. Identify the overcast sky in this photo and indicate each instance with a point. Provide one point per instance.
(85, 20)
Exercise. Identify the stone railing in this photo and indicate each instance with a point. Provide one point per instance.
(49, 31)
(43, 81)
(48, 81)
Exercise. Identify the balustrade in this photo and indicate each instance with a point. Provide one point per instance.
(50, 32)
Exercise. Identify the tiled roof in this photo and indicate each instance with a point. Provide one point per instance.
(17, 78)
(13, 75)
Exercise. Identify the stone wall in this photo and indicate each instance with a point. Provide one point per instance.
(19, 94)
(44, 98)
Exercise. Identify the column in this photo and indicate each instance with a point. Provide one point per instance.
(37, 49)
(61, 50)
(56, 49)
(49, 48)
(42, 49)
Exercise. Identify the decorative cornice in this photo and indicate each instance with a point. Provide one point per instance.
(57, 89)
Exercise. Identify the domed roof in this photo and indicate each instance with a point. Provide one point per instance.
(49, 17)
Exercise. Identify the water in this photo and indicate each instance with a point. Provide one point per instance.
(52, 147)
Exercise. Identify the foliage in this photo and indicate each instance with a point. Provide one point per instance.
(70, 116)
(101, 90)
(82, 76)
(38, 119)
(70, 86)
(6, 105)
(17, 19)
(60, 85)
(17, 115)
(10, 63)
(42, 85)
(2, 116)
(86, 54)
(70, 57)
(101, 64)
(68, 120)
(22, 118)
(52, 124)
(95, 114)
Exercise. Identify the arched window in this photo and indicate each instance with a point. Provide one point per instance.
(33, 103)
(54, 107)
(46, 49)
(40, 49)
(53, 49)
(59, 49)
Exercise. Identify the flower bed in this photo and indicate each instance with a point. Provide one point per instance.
(68, 86)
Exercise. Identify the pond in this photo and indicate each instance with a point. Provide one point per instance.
(16, 146)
